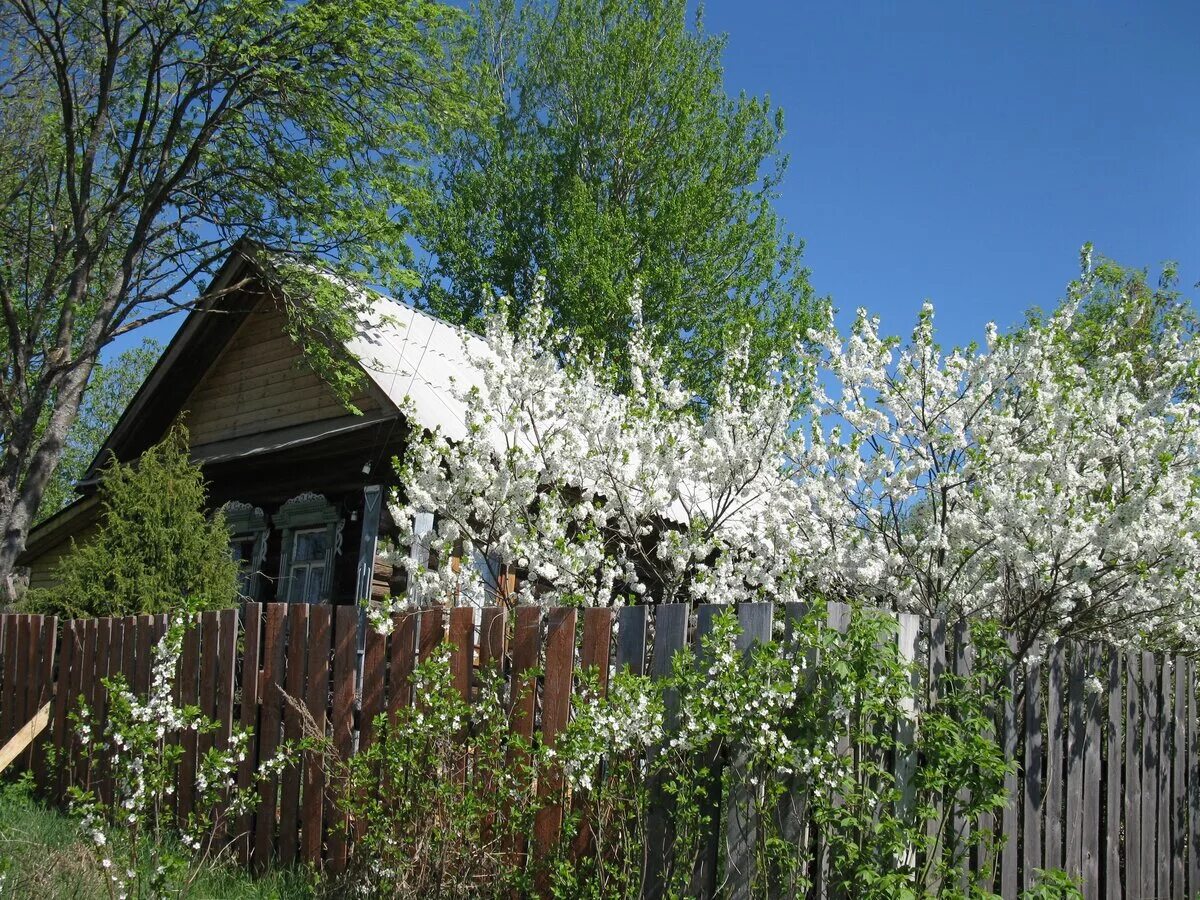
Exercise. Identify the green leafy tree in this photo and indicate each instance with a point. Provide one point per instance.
(112, 387)
(156, 549)
(138, 141)
(614, 163)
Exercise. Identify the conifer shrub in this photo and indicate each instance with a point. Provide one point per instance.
(157, 549)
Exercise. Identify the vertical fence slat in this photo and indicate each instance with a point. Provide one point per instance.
(1031, 818)
(62, 705)
(755, 621)
(33, 668)
(210, 637)
(461, 636)
(937, 668)
(1134, 725)
(1114, 773)
(186, 691)
(402, 655)
(271, 700)
(433, 630)
(373, 681)
(1010, 816)
(293, 730)
(1092, 776)
(523, 700)
(248, 717)
(1076, 736)
(594, 657)
(493, 644)
(1053, 833)
(345, 657)
(704, 873)
(1163, 755)
(45, 694)
(670, 637)
(8, 699)
(26, 646)
(144, 655)
(556, 707)
(227, 651)
(631, 639)
(1150, 701)
(316, 701)
(1193, 783)
(1178, 823)
(962, 827)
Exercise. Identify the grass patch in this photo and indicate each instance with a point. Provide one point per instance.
(43, 855)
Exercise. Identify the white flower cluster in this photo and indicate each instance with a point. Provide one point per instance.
(1018, 480)
(628, 720)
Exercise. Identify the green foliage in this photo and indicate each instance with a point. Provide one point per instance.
(1053, 884)
(442, 794)
(112, 387)
(43, 854)
(139, 142)
(155, 550)
(614, 163)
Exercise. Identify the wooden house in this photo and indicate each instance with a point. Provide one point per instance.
(303, 480)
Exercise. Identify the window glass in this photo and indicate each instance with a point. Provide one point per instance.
(241, 548)
(311, 545)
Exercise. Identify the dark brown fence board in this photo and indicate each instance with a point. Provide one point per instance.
(227, 651)
(47, 643)
(8, 700)
(210, 661)
(522, 712)
(345, 655)
(433, 630)
(594, 655)
(402, 656)
(493, 637)
(270, 719)
(316, 700)
(187, 694)
(556, 708)
(1114, 772)
(374, 678)
(144, 654)
(87, 690)
(462, 642)
(293, 730)
(1055, 733)
(62, 706)
(248, 718)
(936, 670)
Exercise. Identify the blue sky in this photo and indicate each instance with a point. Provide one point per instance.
(963, 152)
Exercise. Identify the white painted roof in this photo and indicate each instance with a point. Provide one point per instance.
(412, 355)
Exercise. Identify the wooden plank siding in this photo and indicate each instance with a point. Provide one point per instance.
(261, 383)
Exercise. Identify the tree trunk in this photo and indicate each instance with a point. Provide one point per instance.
(20, 500)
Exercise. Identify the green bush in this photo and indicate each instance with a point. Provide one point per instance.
(156, 549)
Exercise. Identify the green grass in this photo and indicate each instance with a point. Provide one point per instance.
(42, 855)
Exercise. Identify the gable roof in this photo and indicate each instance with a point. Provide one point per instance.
(405, 353)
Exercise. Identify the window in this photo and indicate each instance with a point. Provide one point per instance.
(311, 540)
(310, 559)
(241, 548)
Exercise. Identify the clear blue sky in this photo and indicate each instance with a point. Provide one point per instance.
(964, 151)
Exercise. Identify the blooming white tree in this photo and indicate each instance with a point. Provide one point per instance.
(1047, 478)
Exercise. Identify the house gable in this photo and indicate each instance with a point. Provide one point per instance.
(261, 383)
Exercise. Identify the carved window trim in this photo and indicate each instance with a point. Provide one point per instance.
(307, 512)
(246, 521)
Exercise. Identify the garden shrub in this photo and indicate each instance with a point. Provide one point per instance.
(156, 549)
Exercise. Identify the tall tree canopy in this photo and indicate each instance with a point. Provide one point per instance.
(137, 140)
(615, 163)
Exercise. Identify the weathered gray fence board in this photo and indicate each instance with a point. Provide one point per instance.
(670, 636)
(631, 639)
(1114, 771)
(1178, 823)
(1053, 855)
(704, 874)
(1073, 858)
(1031, 857)
(1010, 818)
(1150, 701)
(1092, 777)
(1134, 725)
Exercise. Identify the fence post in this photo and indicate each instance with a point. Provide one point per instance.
(670, 636)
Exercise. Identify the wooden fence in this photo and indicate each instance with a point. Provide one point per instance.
(1108, 783)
